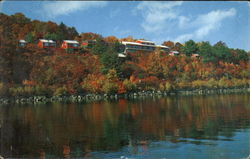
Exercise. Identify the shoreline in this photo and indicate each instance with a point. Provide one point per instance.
(133, 95)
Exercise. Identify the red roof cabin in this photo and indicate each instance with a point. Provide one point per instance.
(43, 43)
(70, 44)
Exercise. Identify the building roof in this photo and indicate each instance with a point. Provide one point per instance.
(175, 52)
(135, 43)
(121, 55)
(162, 46)
(22, 41)
(47, 41)
(146, 41)
(71, 41)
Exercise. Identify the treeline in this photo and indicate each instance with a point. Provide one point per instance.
(34, 71)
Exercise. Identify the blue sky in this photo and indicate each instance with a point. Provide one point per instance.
(152, 20)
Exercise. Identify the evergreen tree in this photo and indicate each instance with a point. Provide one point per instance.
(29, 38)
(110, 59)
(241, 55)
(100, 47)
(206, 52)
(51, 36)
(190, 48)
(222, 52)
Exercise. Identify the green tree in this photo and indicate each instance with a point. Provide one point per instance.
(99, 48)
(72, 33)
(222, 52)
(206, 51)
(190, 48)
(19, 18)
(241, 55)
(110, 60)
(29, 38)
(51, 36)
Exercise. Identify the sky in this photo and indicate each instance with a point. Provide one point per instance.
(158, 21)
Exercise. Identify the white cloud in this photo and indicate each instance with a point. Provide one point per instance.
(204, 24)
(157, 15)
(183, 37)
(163, 17)
(183, 21)
(57, 8)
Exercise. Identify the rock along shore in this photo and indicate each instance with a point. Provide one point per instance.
(132, 95)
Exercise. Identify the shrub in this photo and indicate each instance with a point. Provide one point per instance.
(224, 83)
(129, 86)
(161, 87)
(240, 82)
(169, 86)
(198, 84)
(110, 87)
(211, 83)
(93, 83)
(42, 90)
(25, 91)
(60, 91)
(3, 89)
(183, 85)
(148, 83)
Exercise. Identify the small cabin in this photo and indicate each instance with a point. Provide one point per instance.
(174, 53)
(43, 43)
(70, 44)
(22, 43)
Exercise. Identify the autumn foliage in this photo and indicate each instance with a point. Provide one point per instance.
(31, 70)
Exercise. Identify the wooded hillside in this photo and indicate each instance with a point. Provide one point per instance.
(30, 70)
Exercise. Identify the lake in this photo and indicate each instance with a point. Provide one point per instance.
(190, 127)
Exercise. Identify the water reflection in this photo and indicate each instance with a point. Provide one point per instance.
(82, 130)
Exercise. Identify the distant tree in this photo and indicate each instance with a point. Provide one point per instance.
(206, 51)
(29, 38)
(72, 33)
(52, 36)
(100, 47)
(177, 46)
(170, 44)
(241, 55)
(110, 39)
(129, 38)
(190, 48)
(222, 52)
(205, 48)
(20, 18)
(154, 65)
(110, 59)
(64, 32)
(51, 27)
(90, 36)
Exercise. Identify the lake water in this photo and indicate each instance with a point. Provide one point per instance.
(190, 127)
